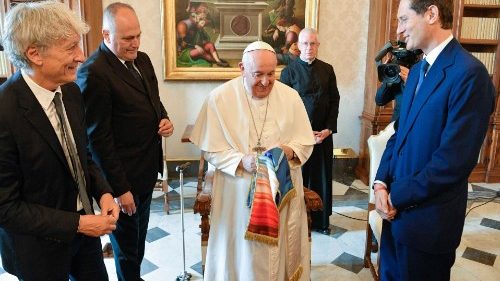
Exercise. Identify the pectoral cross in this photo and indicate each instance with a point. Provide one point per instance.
(259, 148)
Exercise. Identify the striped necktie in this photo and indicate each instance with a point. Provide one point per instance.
(73, 161)
(133, 70)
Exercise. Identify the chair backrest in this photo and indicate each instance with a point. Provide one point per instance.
(376, 147)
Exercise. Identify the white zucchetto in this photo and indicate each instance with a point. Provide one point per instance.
(258, 45)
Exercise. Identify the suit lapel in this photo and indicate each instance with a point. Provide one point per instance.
(34, 113)
(408, 95)
(143, 68)
(413, 103)
(121, 70)
(124, 74)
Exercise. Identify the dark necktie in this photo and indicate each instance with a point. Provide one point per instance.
(74, 160)
(133, 70)
(423, 69)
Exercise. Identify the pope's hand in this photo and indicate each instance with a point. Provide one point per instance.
(248, 162)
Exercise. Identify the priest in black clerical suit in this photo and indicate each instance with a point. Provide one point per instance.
(316, 83)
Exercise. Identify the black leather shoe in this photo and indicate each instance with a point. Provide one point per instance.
(325, 231)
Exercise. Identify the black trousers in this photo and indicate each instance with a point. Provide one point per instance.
(317, 175)
(87, 263)
(398, 262)
(129, 238)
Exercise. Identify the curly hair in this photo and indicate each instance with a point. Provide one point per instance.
(40, 24)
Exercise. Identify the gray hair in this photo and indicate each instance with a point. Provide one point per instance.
(309, 30)
(40, 24)
(108, 18)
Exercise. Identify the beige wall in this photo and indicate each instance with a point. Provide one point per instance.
(343, 26)
(343, 33)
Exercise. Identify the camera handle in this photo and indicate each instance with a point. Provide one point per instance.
(386, 49)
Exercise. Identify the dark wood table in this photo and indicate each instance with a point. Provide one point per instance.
(187, 133)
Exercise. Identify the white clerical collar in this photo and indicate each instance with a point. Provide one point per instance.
(44, 96)
(306, 61)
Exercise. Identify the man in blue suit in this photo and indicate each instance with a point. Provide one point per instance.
(421, 184)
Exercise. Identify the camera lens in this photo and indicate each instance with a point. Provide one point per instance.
(391, 71)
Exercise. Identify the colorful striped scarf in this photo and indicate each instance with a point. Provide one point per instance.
(270, 190)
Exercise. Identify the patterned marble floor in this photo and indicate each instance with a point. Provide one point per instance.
(337, 256)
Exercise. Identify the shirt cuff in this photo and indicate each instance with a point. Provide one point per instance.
(380, 182)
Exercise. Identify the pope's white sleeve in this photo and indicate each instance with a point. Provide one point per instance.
(227, 161)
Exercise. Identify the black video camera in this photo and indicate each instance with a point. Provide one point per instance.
(389, 72)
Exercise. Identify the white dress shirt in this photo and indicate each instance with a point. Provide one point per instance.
(46, 100)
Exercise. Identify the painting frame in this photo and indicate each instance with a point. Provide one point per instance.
(172, 71)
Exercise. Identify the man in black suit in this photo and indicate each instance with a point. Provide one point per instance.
(48, 230)
(125, 123)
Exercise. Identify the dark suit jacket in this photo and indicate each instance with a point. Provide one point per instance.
(122, 120)
(427, 161)
(388, 92)
(317, 86)
(38, 218)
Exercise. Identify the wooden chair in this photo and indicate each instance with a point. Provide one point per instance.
(203, 201)
(376, 147)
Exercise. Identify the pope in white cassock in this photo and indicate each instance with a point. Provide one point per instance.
(240, 121)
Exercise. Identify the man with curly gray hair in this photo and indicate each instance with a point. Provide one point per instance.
(48, 229)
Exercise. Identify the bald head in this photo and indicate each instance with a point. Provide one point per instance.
(109, 14)
(121, 31)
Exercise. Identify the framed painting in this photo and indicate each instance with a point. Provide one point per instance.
(205, 39)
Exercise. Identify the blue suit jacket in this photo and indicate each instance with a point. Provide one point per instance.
(427, 161)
